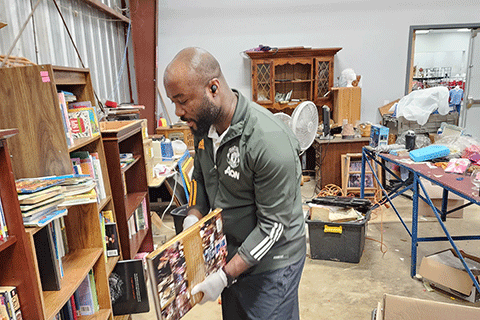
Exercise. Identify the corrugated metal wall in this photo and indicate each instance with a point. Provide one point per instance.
(100, 40)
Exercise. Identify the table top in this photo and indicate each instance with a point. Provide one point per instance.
(458, 183)
(340, 140)
(158, 181)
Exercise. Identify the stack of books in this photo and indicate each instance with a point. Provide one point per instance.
(39, 200)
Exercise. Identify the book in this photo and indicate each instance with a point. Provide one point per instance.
(31, 185)
(66, 122)
(74, 307)
(93, 288)
(36, 197)
(3, 224)
(43, 210)
(83, 198)
(92, 115)
(111, 239)
(28, 207)
(12, 300)
(80, 123)
(4, 308)
(108, 216)
(84, 297)
(97, 166)
(128, 289)
(47, 262)
(185, 261)
(45, 219)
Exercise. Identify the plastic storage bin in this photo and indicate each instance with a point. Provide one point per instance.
(338, 241)
(179, 215)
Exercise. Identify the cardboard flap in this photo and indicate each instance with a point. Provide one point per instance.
(403, 308)
(447, 276)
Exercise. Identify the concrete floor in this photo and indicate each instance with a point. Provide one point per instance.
(338, 290)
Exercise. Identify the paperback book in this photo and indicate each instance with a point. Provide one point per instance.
(128, 289)
(185, 261)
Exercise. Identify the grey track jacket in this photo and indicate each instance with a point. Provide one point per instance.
(256, 181)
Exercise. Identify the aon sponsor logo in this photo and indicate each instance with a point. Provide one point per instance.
(232, 173)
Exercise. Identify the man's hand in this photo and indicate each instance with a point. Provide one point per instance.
(189, 221)
(212, 286)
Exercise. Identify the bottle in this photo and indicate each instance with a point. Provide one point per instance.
(410, 140)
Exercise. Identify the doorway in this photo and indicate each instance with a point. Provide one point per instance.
(447, 55)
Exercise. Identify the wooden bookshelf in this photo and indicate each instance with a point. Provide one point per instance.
(30, 102)
(128, 192)
(17, 266)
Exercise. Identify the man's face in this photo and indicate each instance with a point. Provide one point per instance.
(193, 105)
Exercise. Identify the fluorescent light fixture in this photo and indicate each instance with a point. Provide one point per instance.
(422, 31)
(463, 30)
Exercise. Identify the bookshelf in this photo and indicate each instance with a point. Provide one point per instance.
(129, 184)
(16, 267)
(30, 102)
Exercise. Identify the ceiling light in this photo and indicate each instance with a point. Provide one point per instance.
(422, 31)
(463, 30)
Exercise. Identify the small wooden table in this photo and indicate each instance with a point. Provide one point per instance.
(328, 153)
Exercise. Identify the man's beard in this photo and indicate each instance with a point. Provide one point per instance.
(206, 116)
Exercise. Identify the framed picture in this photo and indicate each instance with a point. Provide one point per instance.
(354, 180)
(355, 166)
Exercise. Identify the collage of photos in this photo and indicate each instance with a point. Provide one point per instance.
(169, 270)
(171, 282)
(214, 244)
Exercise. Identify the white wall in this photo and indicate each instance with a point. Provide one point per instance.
(373, 35)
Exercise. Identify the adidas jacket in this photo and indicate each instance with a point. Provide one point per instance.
(256, 181)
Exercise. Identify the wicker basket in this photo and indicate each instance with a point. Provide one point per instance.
(13, 61)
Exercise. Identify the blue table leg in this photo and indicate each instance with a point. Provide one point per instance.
(413, 267)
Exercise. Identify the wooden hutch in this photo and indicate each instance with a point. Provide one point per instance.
(307, 73)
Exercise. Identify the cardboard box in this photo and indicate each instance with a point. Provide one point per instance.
(444, 270)
(435, 193)
(394, 307)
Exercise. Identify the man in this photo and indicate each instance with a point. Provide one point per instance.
(246, 162)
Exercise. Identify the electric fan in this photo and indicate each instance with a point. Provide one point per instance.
(303, 122)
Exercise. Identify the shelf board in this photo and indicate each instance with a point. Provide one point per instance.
(136, 241)
(100, 315)
(128, 166)
(103, 203)
(81, 142)
(111, 262)
(279, 81)
(8, 242)
(76, 266)
(132, 201)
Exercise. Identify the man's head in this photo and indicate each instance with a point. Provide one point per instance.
(194, 82)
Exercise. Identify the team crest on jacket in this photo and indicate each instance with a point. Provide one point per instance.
(233, 157)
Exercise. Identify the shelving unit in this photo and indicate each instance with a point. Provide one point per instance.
(305, 72)
(30, 101)
(17, 266)
(129, 184)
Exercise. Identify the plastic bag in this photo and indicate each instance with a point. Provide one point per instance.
(457, 144)
(419, 104)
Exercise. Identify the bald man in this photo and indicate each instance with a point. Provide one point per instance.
(246, 162)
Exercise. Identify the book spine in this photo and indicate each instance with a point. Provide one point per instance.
(74, 307)
(66, 122)
(93, 288)
(4, 294)
(84, 298)
(55, 244)
(102, 228)
(3, 224)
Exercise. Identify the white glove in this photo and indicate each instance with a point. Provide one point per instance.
(212, 286)
(189, 221)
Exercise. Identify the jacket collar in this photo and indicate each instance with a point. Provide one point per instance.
(239, 118)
